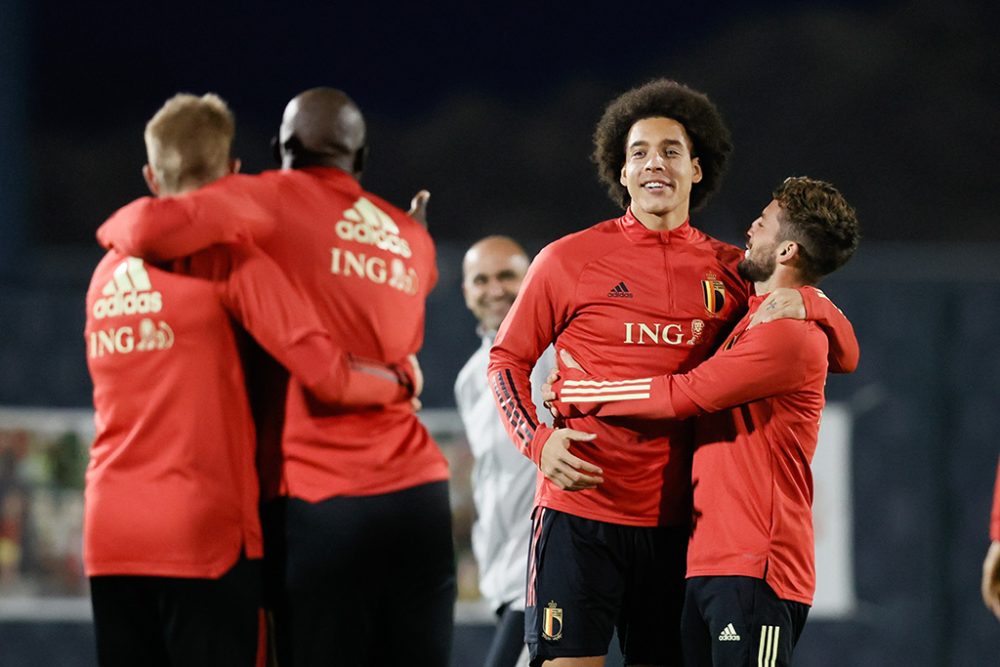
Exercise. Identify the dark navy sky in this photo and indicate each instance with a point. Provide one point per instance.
(492, 107)
(398, 57)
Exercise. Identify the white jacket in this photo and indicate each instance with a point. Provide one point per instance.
(503, 480)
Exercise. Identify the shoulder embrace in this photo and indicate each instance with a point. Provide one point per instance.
(792, 332)
(804, 339)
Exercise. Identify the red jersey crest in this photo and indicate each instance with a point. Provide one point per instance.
(714, 292)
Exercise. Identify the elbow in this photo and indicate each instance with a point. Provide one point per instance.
(847, 363)
(328, 393)
(328, 389)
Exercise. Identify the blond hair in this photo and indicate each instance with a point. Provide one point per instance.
(188, 141)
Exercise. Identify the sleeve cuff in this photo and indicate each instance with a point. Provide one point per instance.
(538, 440)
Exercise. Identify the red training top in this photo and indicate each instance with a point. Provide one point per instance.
(626, 301)
(171, 488)
(753, 485)
(364, 265)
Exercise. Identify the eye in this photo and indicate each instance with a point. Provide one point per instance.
(638, 153)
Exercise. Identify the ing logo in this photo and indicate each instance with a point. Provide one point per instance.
(151, 336)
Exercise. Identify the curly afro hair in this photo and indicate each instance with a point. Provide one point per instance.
(669, 99)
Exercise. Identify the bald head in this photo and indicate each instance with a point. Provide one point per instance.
(322, 127)
(492, 272)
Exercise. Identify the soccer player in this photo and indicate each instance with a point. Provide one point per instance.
(643, 293)
(369, 572)
(503, 481)
(172, 539)
(751, 567)
(991, 565)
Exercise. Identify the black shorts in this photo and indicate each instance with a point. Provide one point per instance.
(586, 577)
(367, 580)
(739, 621)
(162, 621)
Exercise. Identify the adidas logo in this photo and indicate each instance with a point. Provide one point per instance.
(128, 292)
(620, 291)
(729, 634)
(368, 224)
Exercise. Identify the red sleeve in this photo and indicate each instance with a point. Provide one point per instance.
(844, 349)
(230, 210)
(260, 297)
(769, 359)
(995, 517)
(539, 313)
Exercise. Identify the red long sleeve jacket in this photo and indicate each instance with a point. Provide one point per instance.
(629, 302)
(171, 488)
(753, 487)
(364, 265)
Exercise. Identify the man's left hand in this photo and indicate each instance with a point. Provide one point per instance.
(782, 303)
(553, 385)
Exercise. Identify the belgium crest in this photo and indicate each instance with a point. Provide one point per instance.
(552, 622)
(714, 292)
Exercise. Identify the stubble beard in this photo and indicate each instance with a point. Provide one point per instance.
(756, 272)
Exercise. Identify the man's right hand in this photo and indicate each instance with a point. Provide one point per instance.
(418, 382)
(418, 207)
(568, 472)
(991, 578)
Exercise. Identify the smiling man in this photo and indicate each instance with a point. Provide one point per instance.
(642, 294)
(503, 481)
(750, 566)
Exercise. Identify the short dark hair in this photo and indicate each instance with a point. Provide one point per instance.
(701, 119)
(818, 218)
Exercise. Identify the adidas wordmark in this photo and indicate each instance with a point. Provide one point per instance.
(729, 634)
(128, 292)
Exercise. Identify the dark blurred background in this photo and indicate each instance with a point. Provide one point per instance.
(492, 108)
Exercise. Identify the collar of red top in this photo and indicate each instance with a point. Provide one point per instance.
(638, 232)
(338, 177)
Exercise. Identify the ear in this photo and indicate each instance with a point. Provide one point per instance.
(696, 166)
(150, 178)
(788, 251)
(276, 150)
(359, 161)
(622, 179)
(234, 166)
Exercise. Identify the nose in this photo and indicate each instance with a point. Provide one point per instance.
(655, 162)
(495, 288)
